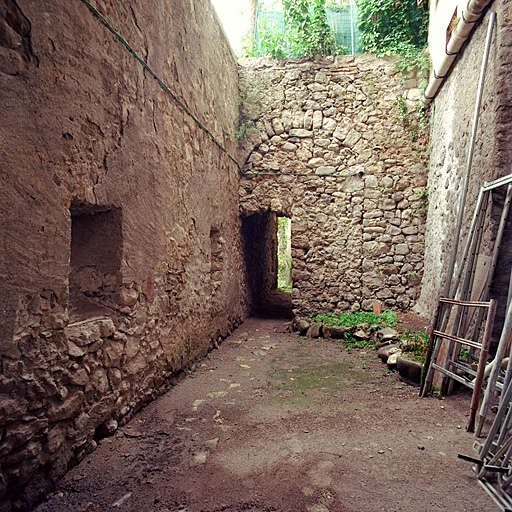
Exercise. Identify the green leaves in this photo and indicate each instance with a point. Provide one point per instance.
(393, 27)
(307, 33)
(308, 29)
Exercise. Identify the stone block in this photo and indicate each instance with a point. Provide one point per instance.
(325, 170)
(318, 118)
(352, 138)
(126, 297)
(288, 146)
(61, 410)
(329, 125)
(301, 133)
(83, 333)
(277, 126)
(402, 249)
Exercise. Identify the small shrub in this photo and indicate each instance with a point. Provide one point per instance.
(368, 318)
(385, 319)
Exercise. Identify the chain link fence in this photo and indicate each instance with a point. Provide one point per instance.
(342, 20)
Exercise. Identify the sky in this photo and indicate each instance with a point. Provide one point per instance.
(234, 17)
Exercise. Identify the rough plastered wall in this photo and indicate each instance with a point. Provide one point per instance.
(451, 132)
(337, 147)
(121, 259)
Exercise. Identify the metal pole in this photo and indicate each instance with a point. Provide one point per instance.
(469, 162)
(352, 25)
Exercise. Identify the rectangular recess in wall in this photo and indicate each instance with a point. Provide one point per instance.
(96, 253)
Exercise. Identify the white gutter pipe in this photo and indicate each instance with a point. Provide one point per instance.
(470, 15)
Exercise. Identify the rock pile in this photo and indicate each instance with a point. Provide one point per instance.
(386, 341)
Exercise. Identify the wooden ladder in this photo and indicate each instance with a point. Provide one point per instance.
(452, 347)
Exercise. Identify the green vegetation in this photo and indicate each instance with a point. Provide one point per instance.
(366, 319)
(284, 258)
(385, 319)
(389, 27)
(306, 33)
(414, 345)
(400, 28)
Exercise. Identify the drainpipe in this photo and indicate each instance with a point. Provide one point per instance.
(470, 15)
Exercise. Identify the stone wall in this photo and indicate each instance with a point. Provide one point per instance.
(336, 145)
(121, 258)
(451, 134)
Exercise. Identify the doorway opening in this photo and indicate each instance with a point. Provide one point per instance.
(260, 241)
(284, 254)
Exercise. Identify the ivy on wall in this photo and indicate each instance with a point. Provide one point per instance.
(393, 27)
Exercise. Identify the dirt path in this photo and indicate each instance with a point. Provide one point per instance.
(274, 422)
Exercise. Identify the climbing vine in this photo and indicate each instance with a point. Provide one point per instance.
(307, 33)
(393, 27)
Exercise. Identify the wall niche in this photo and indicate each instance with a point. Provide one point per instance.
(96, 253)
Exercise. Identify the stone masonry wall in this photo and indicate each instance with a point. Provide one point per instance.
(451, 133)
(121, 258)
(337, 147)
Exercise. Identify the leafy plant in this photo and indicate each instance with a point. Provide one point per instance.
(307, 33)
(309, 28)
(385, 319)
(391, 27)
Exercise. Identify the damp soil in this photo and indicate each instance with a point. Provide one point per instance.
(271, 421)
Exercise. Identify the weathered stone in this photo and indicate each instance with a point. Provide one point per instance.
(325, 170)
(353, 184)
(317, 119)
(402, 249)
(277, 126)
(301, 133)
(394, 354)
(314, 330)
(126, 297)
(352, 138)
(79, 377)
(83, 333)
(302, 325)
(132, 347)
(286, 118)
(387, 333)
(329, 124)
(408, 369)
(338, 332)
(308, 119)
(69, 408)
(322, 142)
(288, 146)
(361, 334)
(106, 327)
(74, 350)
(316, 162)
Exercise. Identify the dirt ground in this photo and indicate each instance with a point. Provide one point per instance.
(274, 422)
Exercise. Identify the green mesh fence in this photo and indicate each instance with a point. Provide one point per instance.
(343, 22)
